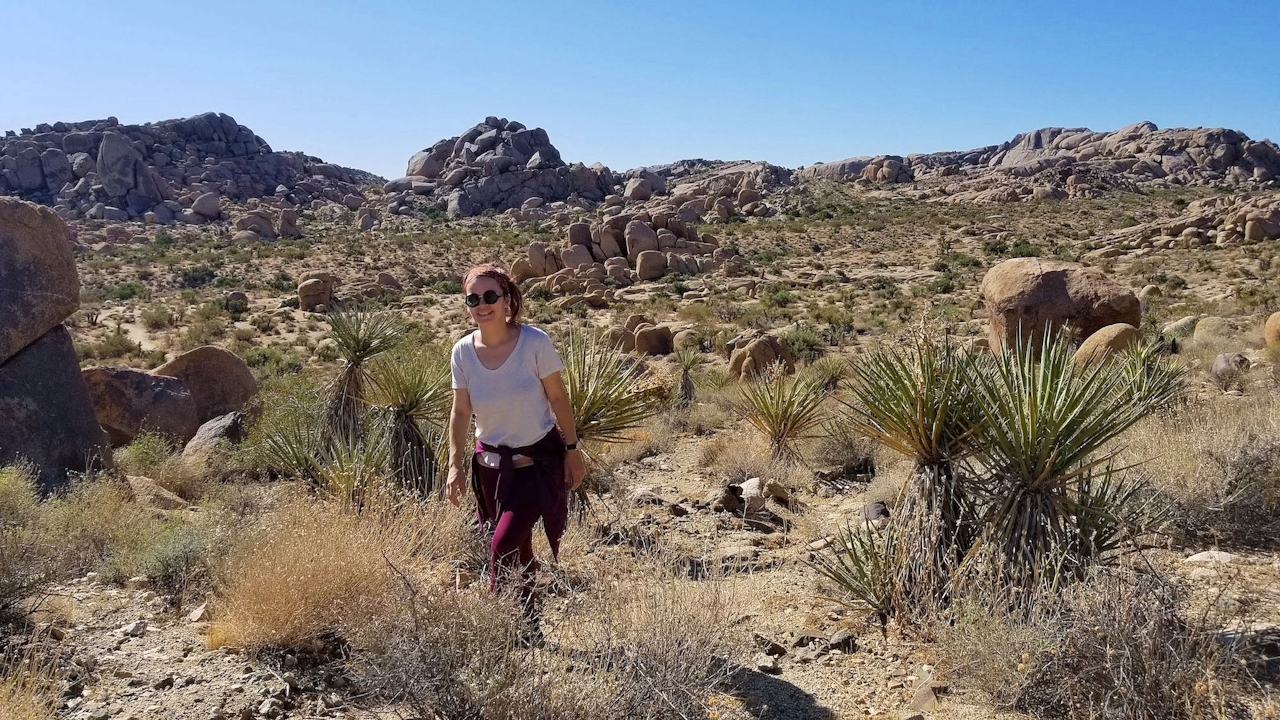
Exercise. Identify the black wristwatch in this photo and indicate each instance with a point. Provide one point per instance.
(571, 446)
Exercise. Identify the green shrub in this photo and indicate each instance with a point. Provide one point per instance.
(129, 290)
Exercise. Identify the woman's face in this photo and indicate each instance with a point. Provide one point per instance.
(483, 314)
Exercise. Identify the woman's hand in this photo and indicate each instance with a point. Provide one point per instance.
(575, 469)
(453, 488)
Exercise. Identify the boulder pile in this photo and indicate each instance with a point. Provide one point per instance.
(1226, 221)
(626, 248)
(46, 417)
(499, 164)
(174, 170)
(175, 399)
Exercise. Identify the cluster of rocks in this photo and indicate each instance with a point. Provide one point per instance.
(1060, 163)
(1225, 221)
(174, 170)
(175, 400)
(879, 169)
(624, 248)
(499, 164)
(755, 352)
(318, 290)
(46, 414)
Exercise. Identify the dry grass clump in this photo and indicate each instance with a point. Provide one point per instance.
(24, 563)
(313, 568)
(28, 684)
(650, 651)
(96, 519)
(1220, 460)
(150, 455)
(1114, 647)
(455, 654)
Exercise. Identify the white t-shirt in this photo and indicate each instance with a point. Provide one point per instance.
(510, 406)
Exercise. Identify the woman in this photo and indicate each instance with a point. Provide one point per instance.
(508, 375)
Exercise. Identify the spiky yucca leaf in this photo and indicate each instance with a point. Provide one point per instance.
(687, 358)
(860, 566)
(609, 396)
(786, 409)
(919, 401)
(360, 335)
(1051, 427)
(413, 395)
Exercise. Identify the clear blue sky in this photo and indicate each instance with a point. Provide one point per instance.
(365, 84)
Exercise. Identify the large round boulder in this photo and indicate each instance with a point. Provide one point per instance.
(46, 417)
(1271, 332)
(1107, 341)
(39, 286)
(651, 265)
(1032, 297)
(652, 340)
(753, 353)
(219, 381)
(127, 402)
(1212, 329)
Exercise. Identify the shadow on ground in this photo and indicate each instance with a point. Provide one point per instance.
(771, 698)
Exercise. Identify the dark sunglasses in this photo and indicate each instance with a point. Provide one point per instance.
(489, 298)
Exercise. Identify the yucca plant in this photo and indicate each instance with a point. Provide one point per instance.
(360, 335)
(828, 371)
(687, 358)
(291, 445)
(413, 396)
(1049, 490)
(608, 391)
(786, 409)
(919, 401)
(858, 564)
(350, 471)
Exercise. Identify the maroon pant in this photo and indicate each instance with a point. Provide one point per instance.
(511, 549)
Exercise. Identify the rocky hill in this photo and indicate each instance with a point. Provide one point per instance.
(1073, 162)
(101, 169)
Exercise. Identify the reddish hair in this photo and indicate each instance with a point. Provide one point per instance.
(508, 286)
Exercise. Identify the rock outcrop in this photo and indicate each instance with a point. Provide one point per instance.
(1224, 221)
(1059, 163)
(499, 164)
(46, 417)
(1031, 297)
(219, 381)
(101, 169)
(39, 285)
(127, 402)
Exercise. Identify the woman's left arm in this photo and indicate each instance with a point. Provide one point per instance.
(575, 468)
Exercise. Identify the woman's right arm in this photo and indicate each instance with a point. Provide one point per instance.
(459, 428)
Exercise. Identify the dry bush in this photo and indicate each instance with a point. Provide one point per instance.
(150, 455)
(315, 567)
(1113, 647)
(28, 684)
(655, 651)
(445, 653)
(1220, 460)
(24, 565)
(95, 520)
(659, 648)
